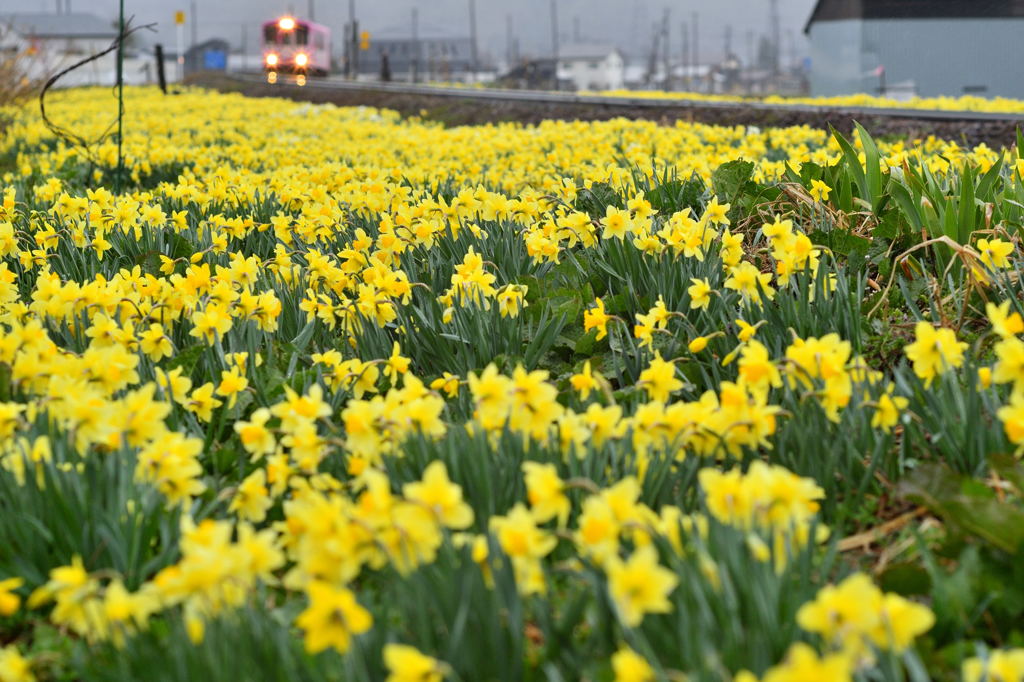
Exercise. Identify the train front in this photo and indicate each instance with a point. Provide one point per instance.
(294, 46)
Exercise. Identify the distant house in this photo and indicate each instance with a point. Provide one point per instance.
(591, 67)
(923, 47)
(51, 42)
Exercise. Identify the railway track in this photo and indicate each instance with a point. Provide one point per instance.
(474, 105)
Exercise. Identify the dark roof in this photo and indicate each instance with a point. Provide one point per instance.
(835, 10)
(532, 70)
(77, 25)
(585, 51)
(209, 44)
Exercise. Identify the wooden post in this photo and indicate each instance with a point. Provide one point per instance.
(161, 77)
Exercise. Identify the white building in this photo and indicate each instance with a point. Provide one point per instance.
(591, 67)
(48, 43)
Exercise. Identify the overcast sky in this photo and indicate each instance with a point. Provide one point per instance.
(627, 24)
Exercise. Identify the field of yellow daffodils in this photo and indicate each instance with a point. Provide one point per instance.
(313, 393)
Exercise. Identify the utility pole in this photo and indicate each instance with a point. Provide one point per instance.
(728, 40)
(415, 66)
(472, 41)
(509, 56)
(634, 36)
(696, 45)
(312, 14)
(179, 29)
(684, 45)
(351, 44)
(195, 24)
(652, 59)
(776, 37)
(666, 58)
(576, 29)
(554, 42)
(355, 50)
(790, 49)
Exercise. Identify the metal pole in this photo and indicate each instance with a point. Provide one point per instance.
(472, 41)
(415, 45)
(352, 41)
(195, 23)
(776, 37)
(120, 99)
(685, 52)
(355, 50)
(346, 44)
(508, 40)
(790, 49)
(554, 41)
(312, 14)
(666, 52)
(696, 46)
(181, 51)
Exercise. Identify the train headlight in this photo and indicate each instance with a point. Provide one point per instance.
(271, 59)
(286, 23)
(301, 59)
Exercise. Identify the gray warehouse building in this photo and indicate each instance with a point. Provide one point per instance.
(430, 58)
(922, 47)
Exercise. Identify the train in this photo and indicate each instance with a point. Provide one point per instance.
(292, 45)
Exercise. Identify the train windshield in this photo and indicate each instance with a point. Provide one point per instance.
(275, 35)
